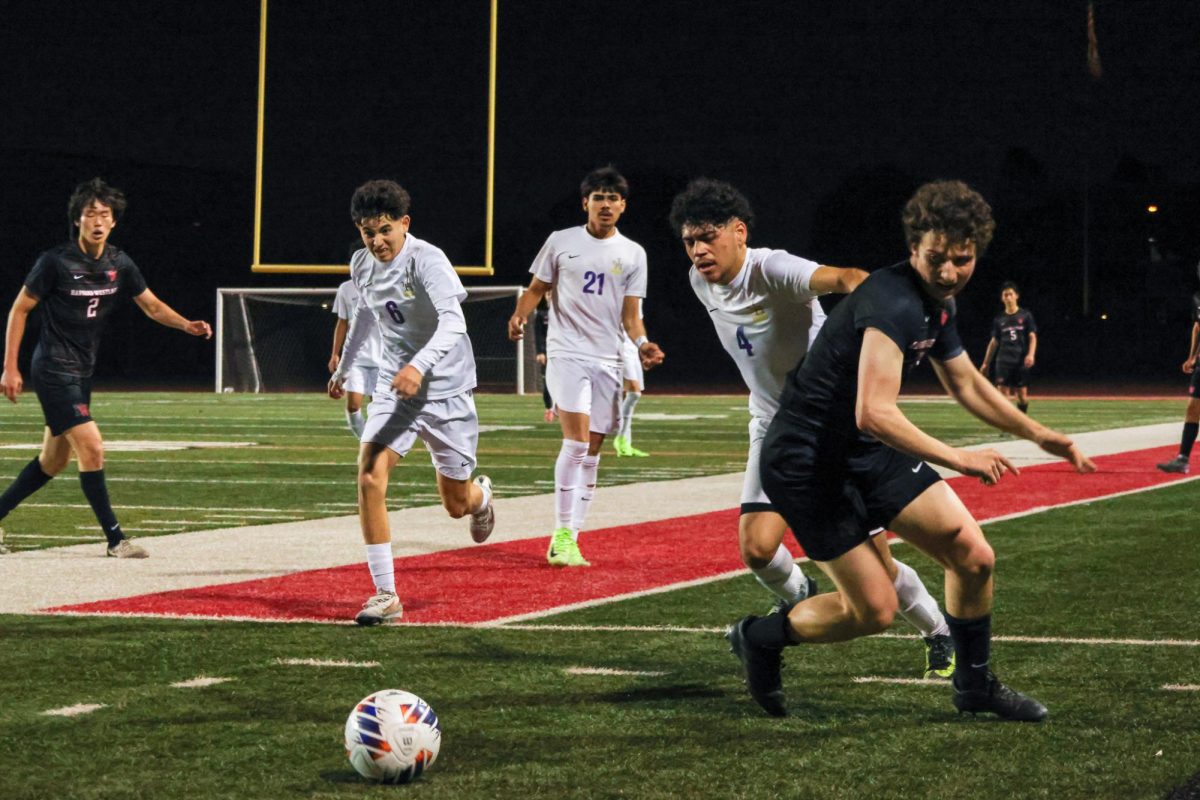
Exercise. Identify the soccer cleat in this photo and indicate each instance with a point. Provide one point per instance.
(762, 667)
(3, 547)
(625, 448)
(1177, 464)
(939, 657)
(575, 556)
(126, 549)
(561, 544)
(998, 699)
(380, 607)
(484, 520)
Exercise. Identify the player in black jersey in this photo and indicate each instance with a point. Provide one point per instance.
(1191, 416)
(1014, 343)
(840, 459)
(77, 285)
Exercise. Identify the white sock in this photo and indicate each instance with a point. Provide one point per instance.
(631, 400)
(383, 569)
(917, 606)
(566, 478)
(584, 491)
(782, 576)
(355, 420)
(487, 498)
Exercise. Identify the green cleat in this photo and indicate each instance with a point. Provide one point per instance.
(561, 547)
(621, 445)
(939, 657)
(575, 556)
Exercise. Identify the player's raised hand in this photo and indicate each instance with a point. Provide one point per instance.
(987, 465)
(335, 389)
(198, 327)
(651, 355)
(516, 328)
(13, 384)
(407, 381)
(1056, 444)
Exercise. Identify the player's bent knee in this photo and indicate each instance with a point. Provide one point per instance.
(875, 618)
(455, 507)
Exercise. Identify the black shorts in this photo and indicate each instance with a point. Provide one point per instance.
(1013, 374)
(1194, 386)
(65, 399)
(832, 492)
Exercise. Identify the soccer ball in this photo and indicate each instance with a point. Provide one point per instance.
(392, 736)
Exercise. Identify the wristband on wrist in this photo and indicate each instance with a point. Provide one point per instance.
(639, 341)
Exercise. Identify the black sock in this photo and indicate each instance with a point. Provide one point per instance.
(972, 648)
(96, 492)
(772, 631)
(27, 482)
(1024, 407)
(1189, 439)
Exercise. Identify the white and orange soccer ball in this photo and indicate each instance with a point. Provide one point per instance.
(392, 736)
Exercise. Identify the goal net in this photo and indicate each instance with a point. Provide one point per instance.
(279, 340)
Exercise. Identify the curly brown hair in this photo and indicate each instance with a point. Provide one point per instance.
(951, 208)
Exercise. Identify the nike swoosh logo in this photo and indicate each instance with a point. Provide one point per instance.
(463, 464)
(917, 468)
(979, 666)
(711, 310)
(77, 277)
(574, 256)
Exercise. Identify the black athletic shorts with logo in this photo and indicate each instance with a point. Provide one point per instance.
(65, 399)
(1013, 374)
(833, 492)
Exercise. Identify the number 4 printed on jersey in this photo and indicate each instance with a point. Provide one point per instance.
(744, 343)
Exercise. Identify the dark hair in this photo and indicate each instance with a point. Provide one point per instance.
(709, 202)
(379, 199)
(951, 208)
(1009, 285)
(604, 178)
(91, 191)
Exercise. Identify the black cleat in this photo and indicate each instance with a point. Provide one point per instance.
(761, 665)
(1177, 464)
(998, 699)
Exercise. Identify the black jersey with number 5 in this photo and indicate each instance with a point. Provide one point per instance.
(822, 390)
(1011, 332)
(76, 294)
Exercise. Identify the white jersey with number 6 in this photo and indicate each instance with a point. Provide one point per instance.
(345, 305)
(591, 277)
(766, 318)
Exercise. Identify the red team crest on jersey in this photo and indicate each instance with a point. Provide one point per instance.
(81, 410)
(945, 316)
(112, 275)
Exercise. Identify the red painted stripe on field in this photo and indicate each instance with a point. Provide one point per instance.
(482, 583)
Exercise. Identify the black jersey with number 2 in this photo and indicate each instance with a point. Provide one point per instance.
(822, 390)
(76, 294)
(1011, 332)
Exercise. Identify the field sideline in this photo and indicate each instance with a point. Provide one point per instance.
(638, 696)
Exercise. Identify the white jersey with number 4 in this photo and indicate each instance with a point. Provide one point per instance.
(591, 277)
(345, 306)
(401, 297)
(766, 318)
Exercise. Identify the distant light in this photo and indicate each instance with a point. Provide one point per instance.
(1152, 209)
(1104, 316)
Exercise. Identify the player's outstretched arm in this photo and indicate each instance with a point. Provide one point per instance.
(836, 280)
(974, 393)
(880, 369)
(163, 314)
(11, 379)
(527, 302)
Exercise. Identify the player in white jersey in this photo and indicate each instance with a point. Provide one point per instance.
(410, 294)
(599, 278)
(763, 305)
(360, 378)
(631, 393)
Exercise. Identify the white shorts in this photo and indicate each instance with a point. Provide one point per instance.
(449, 428)
(587, 387)
(753, 496)
(631, 363)
(361, 380)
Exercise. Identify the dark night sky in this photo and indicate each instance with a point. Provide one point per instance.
(825, 114)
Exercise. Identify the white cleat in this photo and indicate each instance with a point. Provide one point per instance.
(483, 521)
(126, 549)
(380, 608)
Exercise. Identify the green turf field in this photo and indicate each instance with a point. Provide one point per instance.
(516, 724)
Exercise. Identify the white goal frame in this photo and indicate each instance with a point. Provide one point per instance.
(523, 350)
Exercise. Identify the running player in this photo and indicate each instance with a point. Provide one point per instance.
(763, 305)
(410, 294)
(599, 277)
(360, 379)
(77, 284)
(840, 459)
(632, 386)
(1191, 416)
(1014, 342)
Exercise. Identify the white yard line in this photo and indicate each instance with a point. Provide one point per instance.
(318, 662)
(199, 682)
(901, 681)
(75, 710)
(1181, 687)
(612, 672)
